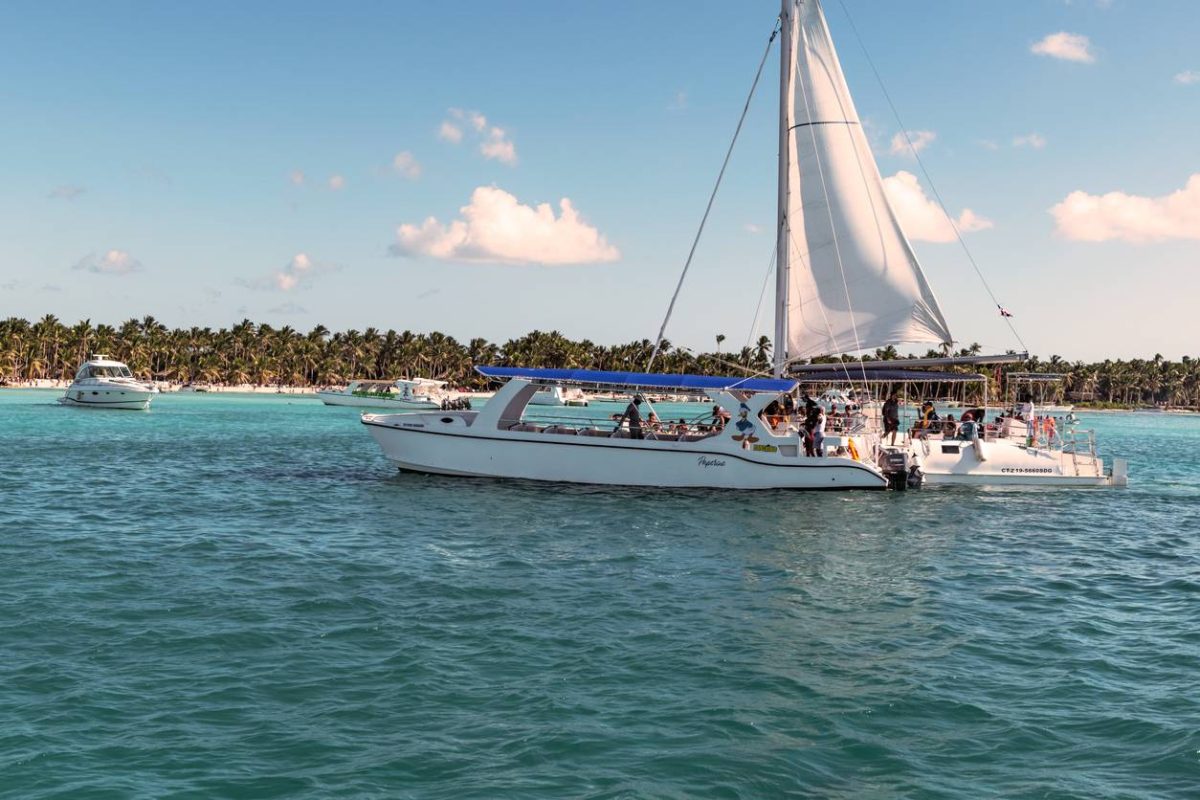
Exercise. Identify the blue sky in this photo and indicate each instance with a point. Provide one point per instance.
(152, 158)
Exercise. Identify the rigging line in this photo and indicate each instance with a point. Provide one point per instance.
(953, 225)
(763, 294)
(750, 372)
(720, 175)
(837, 248)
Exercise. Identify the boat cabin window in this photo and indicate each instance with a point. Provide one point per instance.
(98, 371)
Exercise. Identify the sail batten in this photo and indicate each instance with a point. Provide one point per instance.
(849, 279)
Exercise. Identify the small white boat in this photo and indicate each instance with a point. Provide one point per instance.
(105, 383)
(416, 394)
(559, 396)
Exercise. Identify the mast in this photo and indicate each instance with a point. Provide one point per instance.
(782, 279)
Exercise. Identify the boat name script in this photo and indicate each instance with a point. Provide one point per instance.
(710, 462)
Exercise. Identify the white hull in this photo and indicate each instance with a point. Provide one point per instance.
(443, 443)
(1005, 462)
(114, 399)
(360, 401)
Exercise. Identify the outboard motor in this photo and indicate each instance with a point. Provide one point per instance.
(899, 470)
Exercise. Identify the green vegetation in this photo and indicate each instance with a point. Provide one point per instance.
(264, 355)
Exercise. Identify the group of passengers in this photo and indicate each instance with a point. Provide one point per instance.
(967, 428)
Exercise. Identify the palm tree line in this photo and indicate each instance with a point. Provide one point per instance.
(250, 353)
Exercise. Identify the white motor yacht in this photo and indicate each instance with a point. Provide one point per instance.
(105, 383)
(415, 394)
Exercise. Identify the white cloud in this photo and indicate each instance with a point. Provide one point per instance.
(922, 219)
(473, 118)
(406, 165)
(293, 272)
(1065, 46)
(989, 144)
(496, 228)
(1087, 217)
(337, 183)
(494, 141)
(919, 140)
(114, 262)
(296, 177)
(66, 192)
(751, 227)
(678, 102)
(499, 147)
(297, 273)
(1033, 140)
(1187, 77)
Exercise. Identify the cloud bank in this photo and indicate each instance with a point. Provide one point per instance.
(922, 219)
(496, 228)
(1084, 217)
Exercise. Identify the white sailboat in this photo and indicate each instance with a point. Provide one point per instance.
(847, 280)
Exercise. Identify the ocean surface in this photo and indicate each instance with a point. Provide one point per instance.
(236, 596)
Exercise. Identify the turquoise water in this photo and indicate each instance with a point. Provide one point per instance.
(238, 597)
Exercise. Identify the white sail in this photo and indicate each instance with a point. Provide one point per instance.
(852, 280)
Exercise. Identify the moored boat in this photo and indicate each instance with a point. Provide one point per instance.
(500, 441)
(103, 382)
(417, 394)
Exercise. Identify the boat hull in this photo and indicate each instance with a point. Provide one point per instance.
(415, 443)
(340, 399)
(111, 399)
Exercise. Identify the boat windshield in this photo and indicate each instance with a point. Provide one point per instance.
(108, 372)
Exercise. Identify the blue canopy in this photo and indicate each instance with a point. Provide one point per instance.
(639, 380)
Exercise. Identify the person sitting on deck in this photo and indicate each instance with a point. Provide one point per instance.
(949, 427)
(967, 431)
(720, 417)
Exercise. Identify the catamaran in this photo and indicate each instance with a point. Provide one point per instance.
(846, 280)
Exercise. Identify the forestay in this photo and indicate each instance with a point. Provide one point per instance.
(853, 281)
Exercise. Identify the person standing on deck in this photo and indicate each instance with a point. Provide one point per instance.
(891, 417)
(634, 417)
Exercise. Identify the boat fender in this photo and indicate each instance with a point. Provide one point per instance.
(853, 450)
(980, 453)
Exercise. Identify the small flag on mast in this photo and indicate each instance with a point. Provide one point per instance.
(1004, 312)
